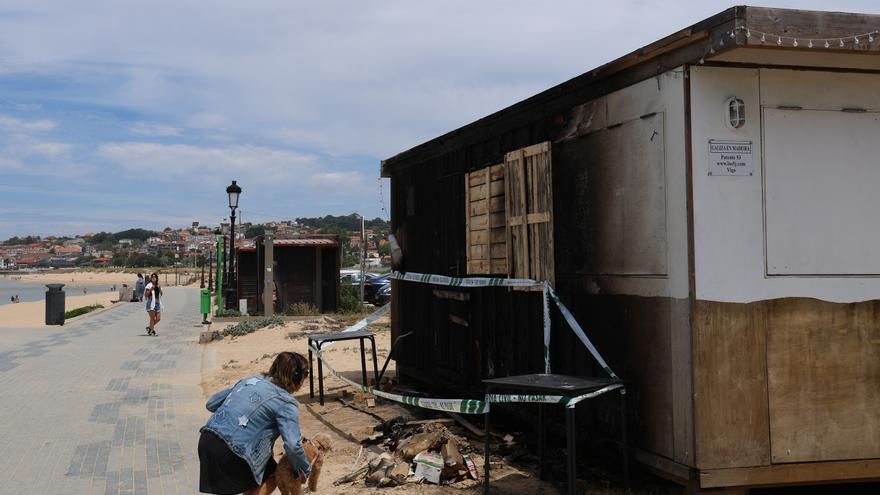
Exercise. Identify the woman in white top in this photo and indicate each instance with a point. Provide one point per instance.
(153, 295)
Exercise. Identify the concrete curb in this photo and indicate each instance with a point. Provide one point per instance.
(237, 319)
(90, 313)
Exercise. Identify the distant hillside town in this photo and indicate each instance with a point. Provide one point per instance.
(188, 246)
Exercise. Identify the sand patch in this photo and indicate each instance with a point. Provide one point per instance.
(226, 361)
(33, 313)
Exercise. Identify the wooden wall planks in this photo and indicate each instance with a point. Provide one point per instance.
(529, 196)
(730, 385)
(823, 371)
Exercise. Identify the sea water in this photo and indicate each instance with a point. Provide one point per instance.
(33, 291)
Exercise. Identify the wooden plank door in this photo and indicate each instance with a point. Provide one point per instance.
(529, 205)
(486, 236)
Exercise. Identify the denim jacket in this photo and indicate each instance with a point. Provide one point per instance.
(250, 415)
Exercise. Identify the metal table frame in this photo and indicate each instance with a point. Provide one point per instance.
(567, 386)
(319, 339)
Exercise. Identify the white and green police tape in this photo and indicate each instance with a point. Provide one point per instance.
(550, 399)
(545, 297)
(462, 406)
(576, 328)
(549, 293)
(427, 278)
(371, 318)
(473, 406)
(465, 406)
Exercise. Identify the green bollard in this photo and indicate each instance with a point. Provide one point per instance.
(205, 304)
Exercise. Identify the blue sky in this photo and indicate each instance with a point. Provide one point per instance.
(138, 114)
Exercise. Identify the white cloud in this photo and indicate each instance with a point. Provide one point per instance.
(338, 181)
(14, 124)
(175, 161)
(10, 164)
(48, 149)
(152, 129)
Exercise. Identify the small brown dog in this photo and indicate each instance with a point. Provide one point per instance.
(289, 482)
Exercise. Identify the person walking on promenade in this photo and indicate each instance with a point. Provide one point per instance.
(235, 446)
(155, 298)
(139, 288)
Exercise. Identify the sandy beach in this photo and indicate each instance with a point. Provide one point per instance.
(228, 360)
(33, 314)
(95, 277)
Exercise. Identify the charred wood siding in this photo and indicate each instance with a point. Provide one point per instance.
(503, 333)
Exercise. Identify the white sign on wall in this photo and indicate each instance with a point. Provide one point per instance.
(730, 158)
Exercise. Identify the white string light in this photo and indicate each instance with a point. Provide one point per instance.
(857, 40)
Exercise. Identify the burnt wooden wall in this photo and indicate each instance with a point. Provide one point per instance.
(461, 336)
(503, 331)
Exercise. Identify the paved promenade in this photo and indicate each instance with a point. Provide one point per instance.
(96, 406)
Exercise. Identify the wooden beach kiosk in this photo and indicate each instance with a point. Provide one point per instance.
(304, 270)
(707, 208)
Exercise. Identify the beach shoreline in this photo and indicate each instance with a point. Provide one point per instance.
(32, 314)
(77, 277)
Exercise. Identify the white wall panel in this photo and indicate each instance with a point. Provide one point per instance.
(822, 202)
(729, 255)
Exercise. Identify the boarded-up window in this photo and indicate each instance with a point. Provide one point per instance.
(486, 236)
(529, 205)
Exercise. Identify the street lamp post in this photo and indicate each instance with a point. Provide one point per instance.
(233, 191)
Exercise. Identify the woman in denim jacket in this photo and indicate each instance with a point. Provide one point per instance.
(235, 448)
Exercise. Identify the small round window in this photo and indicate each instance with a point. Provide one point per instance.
(735, 113)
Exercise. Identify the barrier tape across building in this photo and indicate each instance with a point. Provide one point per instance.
(473, 406)
(549, 293)
(465, 406)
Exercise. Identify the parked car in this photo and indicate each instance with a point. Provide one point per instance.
(373, 285)
(353, 277)
(383, 296)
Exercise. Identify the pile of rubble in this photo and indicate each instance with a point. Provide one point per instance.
(416, 452)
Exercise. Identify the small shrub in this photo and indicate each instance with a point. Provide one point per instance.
(349, 299)
(228, 312)
(81, 311)
(251, 326)
(301, 309)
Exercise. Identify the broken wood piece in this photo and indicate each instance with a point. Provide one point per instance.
(426, 421)
(400, 471)
(451, 457)
(358, 408)
(417, 443)
(371, 402)
(470, 426)
(352, 475)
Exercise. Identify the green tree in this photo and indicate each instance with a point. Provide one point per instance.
(12, 241)
(137, 234)
(101, 238)
(254, 231)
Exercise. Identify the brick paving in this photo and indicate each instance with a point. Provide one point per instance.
(98, 407)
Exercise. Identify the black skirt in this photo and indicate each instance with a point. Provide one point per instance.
(222, 472)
